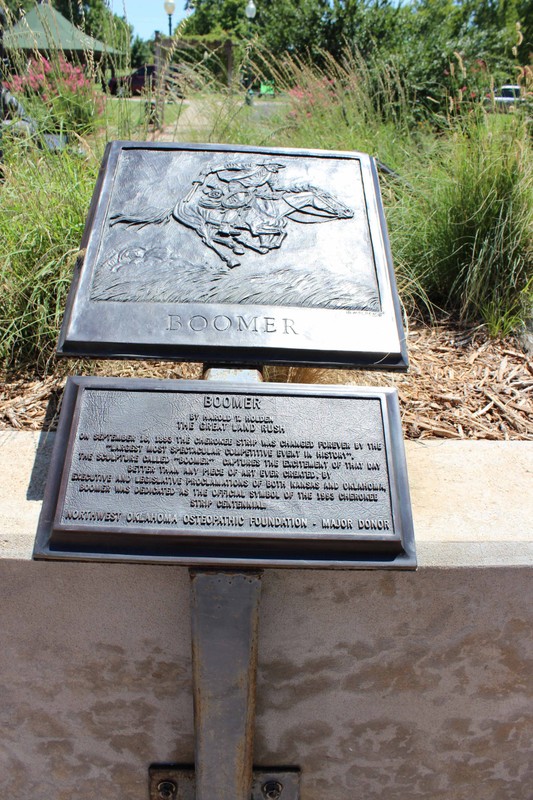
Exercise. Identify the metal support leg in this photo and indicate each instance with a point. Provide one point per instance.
(224, 616)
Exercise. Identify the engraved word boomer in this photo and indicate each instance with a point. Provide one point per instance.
(223, 322)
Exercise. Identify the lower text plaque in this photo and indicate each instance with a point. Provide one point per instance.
(221, 474)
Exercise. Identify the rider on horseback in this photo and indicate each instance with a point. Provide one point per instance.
(230, 188)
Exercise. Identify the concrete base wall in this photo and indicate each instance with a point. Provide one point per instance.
(394, 685)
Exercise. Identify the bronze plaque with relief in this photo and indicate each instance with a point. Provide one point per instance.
(220, 474)
(241, 255)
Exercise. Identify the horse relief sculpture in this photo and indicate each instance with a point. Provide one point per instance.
(218, 252)
(235, 229)
(238, 206)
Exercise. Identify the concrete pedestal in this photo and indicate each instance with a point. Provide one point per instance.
(394, 685)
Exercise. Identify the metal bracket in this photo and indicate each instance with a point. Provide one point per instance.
(232, 375)
(172, 782)
(224, 621)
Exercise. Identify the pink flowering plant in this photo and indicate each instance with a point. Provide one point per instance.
(58, 94)
(313, 96)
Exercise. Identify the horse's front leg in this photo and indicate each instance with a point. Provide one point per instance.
(229, 241)
(209, 241)
(251, 242)
(272, 241)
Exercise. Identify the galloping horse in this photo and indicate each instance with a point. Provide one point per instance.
(235, 216)
(256, 220)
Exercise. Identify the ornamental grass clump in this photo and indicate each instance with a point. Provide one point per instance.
(45, 196)
(467, 226)
(345, 104)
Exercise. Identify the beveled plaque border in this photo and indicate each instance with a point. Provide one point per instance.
(324, 337)
(290, 550)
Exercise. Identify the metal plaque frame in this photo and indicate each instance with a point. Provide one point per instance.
(212, 253)
(127, 527)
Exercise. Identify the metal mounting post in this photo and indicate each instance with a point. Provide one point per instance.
(224, 622)
(224, 617)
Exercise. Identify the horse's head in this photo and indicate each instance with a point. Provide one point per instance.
(312, 204)
(331, 205)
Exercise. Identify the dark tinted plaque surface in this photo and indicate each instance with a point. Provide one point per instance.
(213, 473)
(236, 255)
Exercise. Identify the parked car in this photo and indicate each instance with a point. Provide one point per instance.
(140, 80)
(506, 96)
(144, 81)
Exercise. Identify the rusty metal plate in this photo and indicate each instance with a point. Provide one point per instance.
(236, 255)
(173, 782)
(224, 474)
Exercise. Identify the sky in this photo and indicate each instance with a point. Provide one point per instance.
(147, 16)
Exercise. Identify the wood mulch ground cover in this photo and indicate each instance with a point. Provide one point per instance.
(461, 385)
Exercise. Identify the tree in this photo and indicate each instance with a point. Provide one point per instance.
(524, 10)
(88, 15)
(14, 7)
(296, 26)
(217, 17)
(96, 19)
(497, 21)
(141, 52)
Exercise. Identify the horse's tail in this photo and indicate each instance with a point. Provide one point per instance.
(155, 219)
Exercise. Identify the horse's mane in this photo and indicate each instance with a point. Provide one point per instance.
(301, 187)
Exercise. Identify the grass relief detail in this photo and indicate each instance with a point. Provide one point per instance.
(232, 229)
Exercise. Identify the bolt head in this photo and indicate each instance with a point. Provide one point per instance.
(167, 790)
(272, 790)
